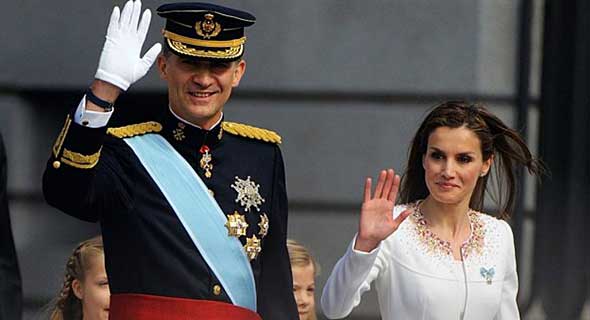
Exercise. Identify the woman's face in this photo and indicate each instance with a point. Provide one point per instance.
(94, 291)
(304, 290)
(453, 163)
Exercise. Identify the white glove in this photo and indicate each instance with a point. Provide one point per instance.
(120, 62)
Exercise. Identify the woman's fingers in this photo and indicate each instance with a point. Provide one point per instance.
(387, 186)
(367, 193)
(394, 188)
(389, 179)
(380, 185)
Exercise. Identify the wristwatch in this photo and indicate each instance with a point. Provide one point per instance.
(107, 106)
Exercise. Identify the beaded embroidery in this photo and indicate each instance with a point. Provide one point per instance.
(434, 244)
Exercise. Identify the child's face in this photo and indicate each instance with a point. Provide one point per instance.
(304, 290)
(94, 291)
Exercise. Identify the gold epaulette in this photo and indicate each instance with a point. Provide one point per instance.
(251, 132)
(135, 129)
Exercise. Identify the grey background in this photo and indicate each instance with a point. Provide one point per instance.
(344, 82)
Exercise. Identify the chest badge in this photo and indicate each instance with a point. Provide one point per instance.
(252, 247)
(248, 195)
(487, 274)
(263, 225)
(236, 225)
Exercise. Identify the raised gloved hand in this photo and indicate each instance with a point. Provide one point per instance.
(120, 62)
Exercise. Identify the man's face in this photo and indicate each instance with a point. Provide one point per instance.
(198, 89)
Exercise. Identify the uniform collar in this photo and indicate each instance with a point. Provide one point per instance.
(182, 133)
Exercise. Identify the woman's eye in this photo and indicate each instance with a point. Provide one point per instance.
(465, 159)
(436, 155)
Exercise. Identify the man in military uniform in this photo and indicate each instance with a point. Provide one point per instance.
(193, 209)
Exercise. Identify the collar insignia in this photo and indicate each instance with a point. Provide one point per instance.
(178, 133)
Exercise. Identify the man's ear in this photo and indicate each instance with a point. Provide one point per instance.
(77, 289)
(162, 63)
(239, 71)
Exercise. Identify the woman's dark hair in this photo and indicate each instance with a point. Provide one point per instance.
(505, 145)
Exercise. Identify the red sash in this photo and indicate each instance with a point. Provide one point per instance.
(149, 307)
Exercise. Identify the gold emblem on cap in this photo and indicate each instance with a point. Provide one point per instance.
(248, 195)
(252, 247)
(208, 28)
(236, 225)
(263, 224)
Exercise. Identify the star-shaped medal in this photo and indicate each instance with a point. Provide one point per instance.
(252, 247)
(263, 224)
(236, 225)
(248, 195)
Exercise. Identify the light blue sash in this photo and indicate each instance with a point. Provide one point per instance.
(200, 215)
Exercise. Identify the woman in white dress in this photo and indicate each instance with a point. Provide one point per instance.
(437, 256)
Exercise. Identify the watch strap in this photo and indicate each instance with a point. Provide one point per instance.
(107, 106)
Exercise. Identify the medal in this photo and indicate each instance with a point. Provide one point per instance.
(248, 195)
(263, 224)
(252, 247)
(236, 225)
(206, 160)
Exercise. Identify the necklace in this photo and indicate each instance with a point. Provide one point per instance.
(434, 244)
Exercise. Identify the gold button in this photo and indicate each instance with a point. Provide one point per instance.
(211, 192)
(216, 289)
(56, 164)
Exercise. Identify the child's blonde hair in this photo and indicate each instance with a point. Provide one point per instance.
(67, 305)
(300, 256)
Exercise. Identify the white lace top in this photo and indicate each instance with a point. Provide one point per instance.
(416, 276)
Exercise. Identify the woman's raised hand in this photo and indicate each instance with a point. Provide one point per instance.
(377, 222)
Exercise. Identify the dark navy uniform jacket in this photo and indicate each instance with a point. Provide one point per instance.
(10, 281)
(95, 176)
